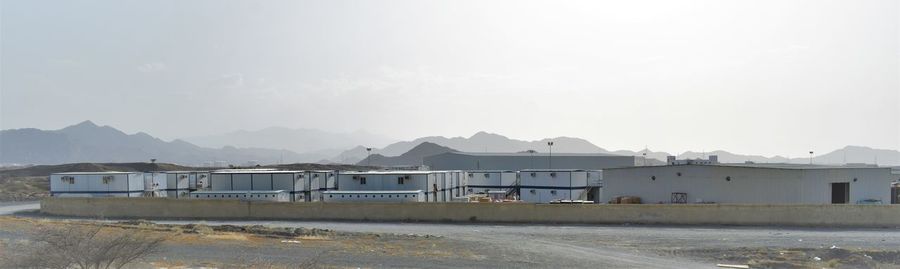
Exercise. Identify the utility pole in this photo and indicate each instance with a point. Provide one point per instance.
(550, 157)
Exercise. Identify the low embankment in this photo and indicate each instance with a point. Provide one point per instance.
(691, 214)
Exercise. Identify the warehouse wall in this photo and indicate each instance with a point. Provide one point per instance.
(463, 161)
(692, 214)
(723, 184)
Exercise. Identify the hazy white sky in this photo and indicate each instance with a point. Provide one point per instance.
(755, 77)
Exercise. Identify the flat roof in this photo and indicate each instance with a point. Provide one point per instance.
(95, 173)
(401, 172)
(375, 192)
(490, 171)
(238, 192)
(553, 170)
(789, 166)
(536, 154)
(179, 172)
(256, 172)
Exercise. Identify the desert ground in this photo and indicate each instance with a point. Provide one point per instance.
(293, 244)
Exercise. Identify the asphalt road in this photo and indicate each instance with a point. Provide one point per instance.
(579, 246)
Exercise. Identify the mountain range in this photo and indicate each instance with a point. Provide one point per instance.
(316, 144)
(88, 142)
(414, 156)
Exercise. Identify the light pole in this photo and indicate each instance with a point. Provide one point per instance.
(369, 157)
(810, 156)
(550, 157)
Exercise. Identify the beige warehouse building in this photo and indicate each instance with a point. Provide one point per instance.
(750, 183)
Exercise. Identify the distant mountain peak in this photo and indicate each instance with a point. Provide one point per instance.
(483, 134)
(87, 123)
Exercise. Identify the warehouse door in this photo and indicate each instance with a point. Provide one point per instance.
(840, 193)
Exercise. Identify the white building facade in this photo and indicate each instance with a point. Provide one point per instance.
(374, 196)
(294, 183)
(484, 181)
(544, 186)
(97, 184)
(248, 195)
(749, 183)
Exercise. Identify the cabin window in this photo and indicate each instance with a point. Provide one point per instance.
(400, 180)
(404, 196)
(553, 192)
(362, 181)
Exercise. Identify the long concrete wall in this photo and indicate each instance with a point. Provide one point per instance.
(690, 214)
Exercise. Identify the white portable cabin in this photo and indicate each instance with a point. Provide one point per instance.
(97, 184)
(319, 182)
(248, 195)
(292, 182)
(457, 184)
(544, 186)
(374, 196)
(388, 181)
(180, 183)
(156, 184)
(484, 181)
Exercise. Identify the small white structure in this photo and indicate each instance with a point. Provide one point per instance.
(375, 196)
(425, 181)
(155, 184)
(750, 184)
(295, 183)
(248, 195)
(544, 186)
(180, 183)
(484, 181)
(97, 184)
(319, 182)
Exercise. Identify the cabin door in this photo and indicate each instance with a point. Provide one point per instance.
(840, 193)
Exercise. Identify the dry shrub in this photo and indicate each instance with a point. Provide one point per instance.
(83, 247)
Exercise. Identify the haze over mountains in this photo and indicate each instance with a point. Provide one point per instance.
(88, 142)
(309, 141)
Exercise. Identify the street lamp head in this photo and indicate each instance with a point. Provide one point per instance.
(550, 143)
(368, 149)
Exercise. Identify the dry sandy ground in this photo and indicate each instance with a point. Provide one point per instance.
(297, 244)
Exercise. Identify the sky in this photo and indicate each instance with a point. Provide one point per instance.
(754, 77)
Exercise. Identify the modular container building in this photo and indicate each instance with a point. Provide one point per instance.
(519, 161)
(751, 184)
(390, 181)
(544, 186)
(97, 184)
(375, 196)
(180, 183)
(319, 182)
(295, 183)
(484, 181)
(247, 195)
(156, 184)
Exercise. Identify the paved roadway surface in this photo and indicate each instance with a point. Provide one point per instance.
(612, 246)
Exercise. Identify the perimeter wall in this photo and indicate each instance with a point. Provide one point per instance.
(687, 214)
